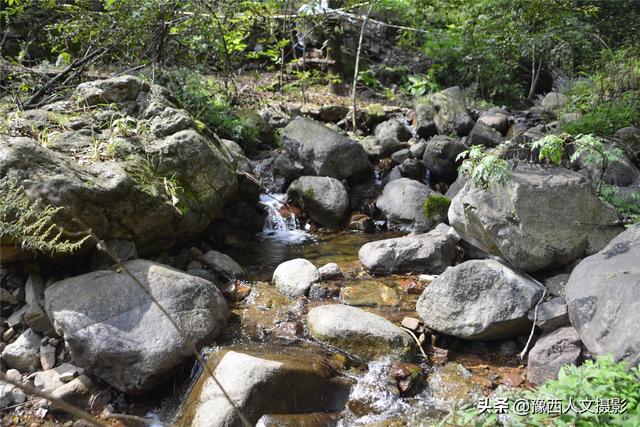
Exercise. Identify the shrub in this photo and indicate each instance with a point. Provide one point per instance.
(607, 117)
(207, 101)
(435, 208)
(591, 382)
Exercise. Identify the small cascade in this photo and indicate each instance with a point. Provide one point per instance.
(277, 226)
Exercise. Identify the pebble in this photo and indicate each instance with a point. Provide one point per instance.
(14, 375)
(47, 356)
(426, 278)
(411, 323)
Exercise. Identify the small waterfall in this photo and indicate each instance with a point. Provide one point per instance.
(278, 227)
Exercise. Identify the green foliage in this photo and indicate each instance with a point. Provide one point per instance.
(602, 379)
(435, 208)
(484, 168)
(34, 229)
(628, 207)
(207, 101)
(368, 78)
(606, 117)
(551, 148)
(420, 85)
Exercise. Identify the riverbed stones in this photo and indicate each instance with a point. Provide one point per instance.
(451, 113)
(440, 156)
(262, 383)
(551, 352)
(324, 152)
(552, 314)
(603, 295)
(430, 252)
(495, 118)
(294, 277)
(324, 199)
(483, 134)
(479, 300)
(402, 202)
(222, 264)
(330, 271)
(128, 342)
(393, 129)
(542, 218)
(423, 122)
(358, 332)
(368, 293)
(22, 354)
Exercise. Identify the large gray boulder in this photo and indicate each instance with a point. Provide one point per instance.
(262, 383)
(483, 134)
(431, 252)
(358, 332)
(393, 129)
(294, 277)
(451, 113)
(113, 329)
(603, 295)
(497, 119)
(551, 352)
(402, 202)
(128, 181)
(479, 300)
(222, 264)
(440, 157)
(324, 199)
(542, 218)
(325, 152)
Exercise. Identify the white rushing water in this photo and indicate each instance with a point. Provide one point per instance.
(278, 227)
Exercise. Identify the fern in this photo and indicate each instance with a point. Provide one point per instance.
(21, 221)
(483, 168)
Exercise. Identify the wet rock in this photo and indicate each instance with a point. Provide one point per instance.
(262, 383)
(7, 297)
(554, 101)
(358, 332)
(323, 291)
(402, 201)
(431, 252)
(324, 199)
(408, 378)
(552, 314)
(299, 420)
(361, 222)
(36, 319)
(263, 308)
(324, 152)
(368, 293)
(551, 352)
(128, 342)
(555, 284)
(294, 277)
(411, 323)
(222, 264)
(330, 271)
(479, 300)
(290, 331)
(381, 148)
(440, 157)
(451, 112)
(603, 295)
(452, 386)
(393, 129)
(505, 220)
(22, 354)
(483, 134)
(497, 119)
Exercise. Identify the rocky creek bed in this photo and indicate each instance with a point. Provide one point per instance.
(341, 278)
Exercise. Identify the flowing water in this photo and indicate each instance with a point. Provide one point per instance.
(372, 400)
